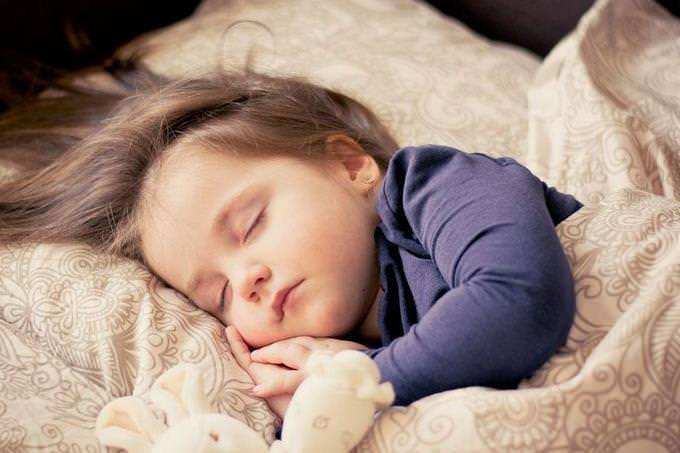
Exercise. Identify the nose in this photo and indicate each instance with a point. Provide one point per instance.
(253, 278)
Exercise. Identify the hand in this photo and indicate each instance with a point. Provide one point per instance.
(293, 353)
(261, 372)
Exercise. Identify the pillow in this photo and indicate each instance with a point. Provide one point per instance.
(78, 329)
(429, 78)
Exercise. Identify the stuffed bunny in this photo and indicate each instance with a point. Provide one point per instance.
(331, 411)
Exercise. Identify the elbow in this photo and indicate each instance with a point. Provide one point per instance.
(544, 329)
(557, 309)
(551, 324)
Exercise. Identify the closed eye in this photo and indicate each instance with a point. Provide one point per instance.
(257, 221)
(222, 294)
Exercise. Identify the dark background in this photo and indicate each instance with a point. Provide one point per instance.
(536, 25)
(41, 39)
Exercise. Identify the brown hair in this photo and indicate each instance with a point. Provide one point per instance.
(91, 189)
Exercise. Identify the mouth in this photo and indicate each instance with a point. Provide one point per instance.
(282, 298)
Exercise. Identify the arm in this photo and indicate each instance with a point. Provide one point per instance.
(485, 225)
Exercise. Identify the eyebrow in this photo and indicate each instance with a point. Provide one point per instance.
(220, 219)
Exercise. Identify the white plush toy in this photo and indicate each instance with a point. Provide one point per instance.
(331, 411)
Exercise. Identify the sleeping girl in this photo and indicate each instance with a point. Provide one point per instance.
(288, 212)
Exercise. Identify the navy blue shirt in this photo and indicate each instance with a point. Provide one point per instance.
(476, 287)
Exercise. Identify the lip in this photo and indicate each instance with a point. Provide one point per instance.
(281, 298)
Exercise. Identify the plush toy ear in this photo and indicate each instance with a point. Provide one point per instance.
(179, 392)
(360, 362)
(365, 377)
(128, 423)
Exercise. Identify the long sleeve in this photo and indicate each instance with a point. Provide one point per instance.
(509, 298)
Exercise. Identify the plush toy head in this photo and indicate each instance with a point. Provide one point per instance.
(334, 406)
(331, 411)
(128, 422)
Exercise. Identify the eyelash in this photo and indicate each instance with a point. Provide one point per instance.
(259, 218)
(252, 227)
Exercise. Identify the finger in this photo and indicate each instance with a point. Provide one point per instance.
(290, 354)
(312, 343)
(305, 340)
(239, 348)
(328, 344)
(284, 384)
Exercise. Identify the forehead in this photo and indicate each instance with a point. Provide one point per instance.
(197, 167)
(189, 178)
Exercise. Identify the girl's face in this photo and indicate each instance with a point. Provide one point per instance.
(233, 233)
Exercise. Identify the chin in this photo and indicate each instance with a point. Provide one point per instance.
(256, 343)
(336, 330)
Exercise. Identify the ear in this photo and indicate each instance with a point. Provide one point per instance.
(128, 423)
(179, 392)
(358, 167)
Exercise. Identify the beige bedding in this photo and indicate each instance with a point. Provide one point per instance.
(602, 121)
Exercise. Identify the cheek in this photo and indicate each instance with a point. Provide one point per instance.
(330, 317)
(320, 239)
(255, 331)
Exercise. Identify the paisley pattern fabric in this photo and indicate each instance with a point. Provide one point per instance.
(604, 107)
(601, 121)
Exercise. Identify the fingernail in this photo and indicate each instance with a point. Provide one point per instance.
(257, 389)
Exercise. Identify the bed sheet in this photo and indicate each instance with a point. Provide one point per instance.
(78, 329)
